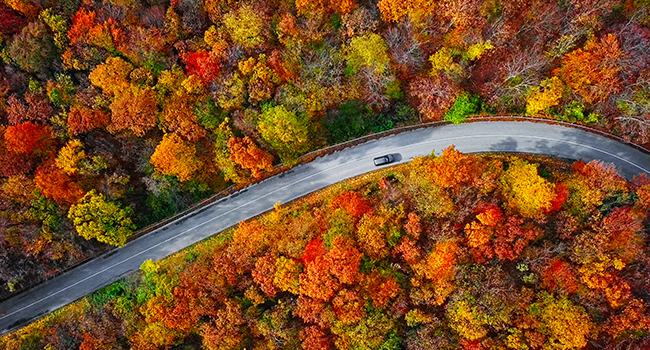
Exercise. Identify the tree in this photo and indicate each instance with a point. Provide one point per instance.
(133, 109)
(95, 217)
(69, 156)
(29, 139)
(82, 119)
(10, 21)
(368, 51)
(175, 156)
(452, 168)
(527, 192)
(33, 49)
(392, 10)
(179, 116)
(377, 232)
(464, 106)
(322, 6)
(286, 131)
(55, 184)
(439, 267)
(246, 25)
(202, 64)
(435, 95)
(112, 75)
(542, 99)
(246, 153)
(566, 325)
(592, 72)
(353, 202)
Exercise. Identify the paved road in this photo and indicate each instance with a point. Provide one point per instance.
(522, 137)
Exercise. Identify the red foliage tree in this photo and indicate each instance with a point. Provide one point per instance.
(381, 288)
(202, 64)
(559, 277)
(314, 249)
(264, 273)
(11, 22)
(29, 138)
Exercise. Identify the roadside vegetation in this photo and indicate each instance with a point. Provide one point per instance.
(449, 252)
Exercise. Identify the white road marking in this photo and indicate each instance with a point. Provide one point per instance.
(303, 179)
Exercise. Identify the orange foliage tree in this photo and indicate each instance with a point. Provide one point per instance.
(29, 138)
(55, 184)
(320, 6)
(175, 156)
(592, 72)
(246, 153)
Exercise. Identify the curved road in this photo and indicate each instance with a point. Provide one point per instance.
(521, 137)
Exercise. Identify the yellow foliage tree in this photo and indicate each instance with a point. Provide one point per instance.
(175, 156)
(541, 99)
(69, 156)
(245, 26)
(443, 59)
(112, 75)
(465, 319)
(369, 51)
(527, 192)
(566, 325)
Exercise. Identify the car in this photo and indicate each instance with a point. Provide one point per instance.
(385, 159)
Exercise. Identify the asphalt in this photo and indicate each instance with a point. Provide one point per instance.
(480, 137)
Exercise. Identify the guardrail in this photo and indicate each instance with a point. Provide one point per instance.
(308, 157)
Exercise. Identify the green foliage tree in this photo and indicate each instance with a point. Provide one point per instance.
(466, 104)
(95, 217)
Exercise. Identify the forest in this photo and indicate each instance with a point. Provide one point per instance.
(116, 114)
(450, 252)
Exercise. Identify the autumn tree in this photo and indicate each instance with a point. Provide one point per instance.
(28, 139)
(353, 202)
(33, 49)
(175, 156)
(435, 95)
(527, 192)
(133, 109)
(95, 217)
(542, 99)
(82, 119)
(592, 72)
(70, 156)
(112, 75)
(566, 325)
(368, 51)
(246, 153)
(246, 25)
(55, 184)
(286, 131)
(394, 11)
(11, 22)
(377, 232)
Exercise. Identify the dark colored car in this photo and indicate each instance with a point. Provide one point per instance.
(384, 160)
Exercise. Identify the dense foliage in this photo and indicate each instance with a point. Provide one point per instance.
(157, 104)
(450, 252)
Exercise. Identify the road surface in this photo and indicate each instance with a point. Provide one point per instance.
(521, 137)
